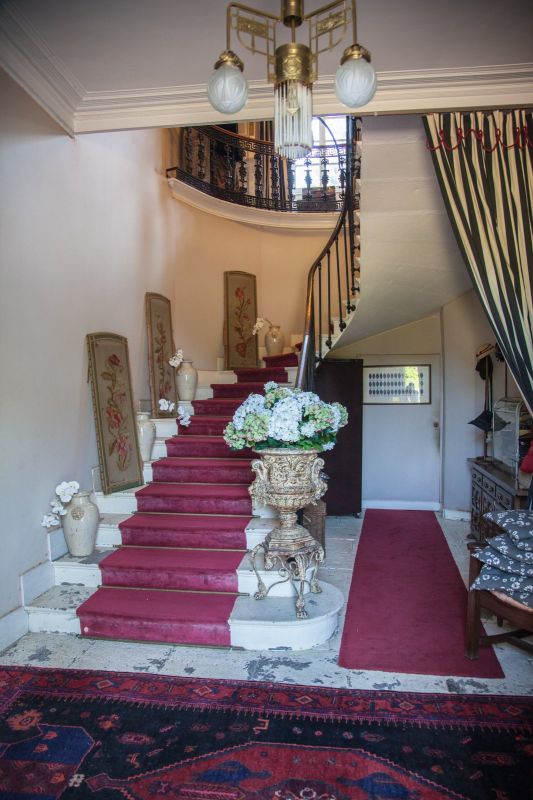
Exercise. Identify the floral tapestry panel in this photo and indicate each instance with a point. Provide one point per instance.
(114, 416)
(160, 350)
(240, 304)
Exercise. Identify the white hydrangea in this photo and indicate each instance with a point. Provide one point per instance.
(166, 405)
(58, 508)
(50, 521)
(66, 490)
(285, 420)
(176, 359)
(184, 418)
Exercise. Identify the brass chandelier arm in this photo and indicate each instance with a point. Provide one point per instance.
(252, 28)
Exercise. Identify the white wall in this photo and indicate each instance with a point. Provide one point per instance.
(87, 227)
(401, 455)
(207, 247)
(465, 329)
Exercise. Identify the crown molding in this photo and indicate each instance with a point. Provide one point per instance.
(408, 92)
(30, 62)
(257, 217)
(26, 57)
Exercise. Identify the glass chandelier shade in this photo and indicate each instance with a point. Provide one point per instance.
(293, 115)
(355, 81)
(227, 88)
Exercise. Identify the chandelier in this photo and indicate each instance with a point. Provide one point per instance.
(292, 66)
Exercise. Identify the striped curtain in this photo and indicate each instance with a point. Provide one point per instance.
(484, 165)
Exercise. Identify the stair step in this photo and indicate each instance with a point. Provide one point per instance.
(221, 390)
(220, 406)
(202, 470)
(185, 530)
(164, 568)
(259, 374)
(158, 616)
(205, 425)
(195, 498)
(283, 360)
(194, 446)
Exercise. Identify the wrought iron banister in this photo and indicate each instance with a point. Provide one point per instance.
(247, 171)
(333, 280)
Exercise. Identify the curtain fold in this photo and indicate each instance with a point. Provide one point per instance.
(484, 165)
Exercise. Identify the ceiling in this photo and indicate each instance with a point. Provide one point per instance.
(119, 64)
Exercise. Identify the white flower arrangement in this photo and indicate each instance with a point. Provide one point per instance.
(260, 323)
(177, 359)
(285, 417)
(65, 491)
(184, 418)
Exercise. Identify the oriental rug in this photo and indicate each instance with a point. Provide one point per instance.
(406, 609)
(76, 735)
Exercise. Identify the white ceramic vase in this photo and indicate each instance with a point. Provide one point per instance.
(146, 435)
(80, 524)
(274, 340)
(187, 380)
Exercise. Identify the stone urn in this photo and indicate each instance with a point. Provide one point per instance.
(289, 479)
(274, 341)
(146, 434)
(187, 380)
(80, 524)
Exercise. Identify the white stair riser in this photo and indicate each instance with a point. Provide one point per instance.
(52, 620)
(159, 450)
(84, 574)
(118, 503)
(108, 536)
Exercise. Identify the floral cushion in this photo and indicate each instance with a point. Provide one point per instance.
(518, 524)
(508, 558)
(504, 544)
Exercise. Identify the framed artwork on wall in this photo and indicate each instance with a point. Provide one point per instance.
(397, 385)
(160, 349)
(116, 431)
(240, 314)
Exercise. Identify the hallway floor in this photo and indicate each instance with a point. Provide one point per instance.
(317, 666)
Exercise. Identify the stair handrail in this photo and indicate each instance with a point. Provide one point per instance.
(308, 355)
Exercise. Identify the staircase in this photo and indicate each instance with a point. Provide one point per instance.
(181, 574)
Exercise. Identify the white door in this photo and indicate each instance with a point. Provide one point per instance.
(401, 446)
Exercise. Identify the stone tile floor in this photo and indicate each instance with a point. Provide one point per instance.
(317, 666)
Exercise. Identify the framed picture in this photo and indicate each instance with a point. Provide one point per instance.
(397, 385)
(116, 430)
(160, 349)
(240, 314)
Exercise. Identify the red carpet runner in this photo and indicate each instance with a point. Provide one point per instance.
(406, 609)
(175, 577)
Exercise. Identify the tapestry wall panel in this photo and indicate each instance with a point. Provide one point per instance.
(240, 306)
(114, 416)
(160, 349)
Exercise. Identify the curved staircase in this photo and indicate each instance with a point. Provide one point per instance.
(175, 578)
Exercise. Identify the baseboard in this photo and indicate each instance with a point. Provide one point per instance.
(454, 513)
(13, 626)
(405, 505)
(36, 581)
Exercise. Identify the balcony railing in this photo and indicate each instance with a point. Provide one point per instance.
(248, 171)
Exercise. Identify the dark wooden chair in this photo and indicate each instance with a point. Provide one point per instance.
(517, 615)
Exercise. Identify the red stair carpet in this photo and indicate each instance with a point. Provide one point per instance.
(174, 579)
(406, 609)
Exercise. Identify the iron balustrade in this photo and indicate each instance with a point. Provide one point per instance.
(249, 172)
(333, 280)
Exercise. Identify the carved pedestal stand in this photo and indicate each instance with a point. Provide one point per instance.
(289, 479)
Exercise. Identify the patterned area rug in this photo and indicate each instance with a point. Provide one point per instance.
(107, 736)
